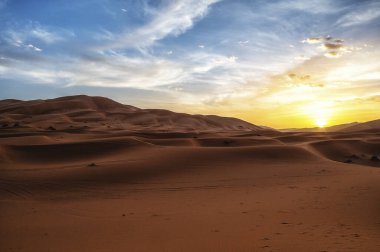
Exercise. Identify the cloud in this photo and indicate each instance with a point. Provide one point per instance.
(34, 48)
(355, 75)
(243, 42)
(313, 40)
(360, 16)
(17, 40)
(292, 79)
(115, 69)
(302, 57)
(171, 18)
(44, 35)
(21, 37)
(310, 6)
(332, 47)
(293, 76)
(333, 54)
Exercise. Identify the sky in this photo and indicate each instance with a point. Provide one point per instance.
(282, 64)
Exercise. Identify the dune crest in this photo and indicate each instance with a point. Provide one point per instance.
(99, 113)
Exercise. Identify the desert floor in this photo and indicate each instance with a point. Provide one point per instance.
(129, 191)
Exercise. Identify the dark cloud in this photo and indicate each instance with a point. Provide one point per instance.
(296, 77)
(340, 41)
(332, 54)
(333, 47)
(298, 80)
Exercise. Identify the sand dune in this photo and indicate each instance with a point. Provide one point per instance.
(102, 113)
(112, 177)
(67, 152)
(348, 127)
(367, 126)
(349, 151)
(62, 104)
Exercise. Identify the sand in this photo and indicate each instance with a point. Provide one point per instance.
(91, 187)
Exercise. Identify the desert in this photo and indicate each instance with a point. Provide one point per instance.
(189, 126)
(91, 174)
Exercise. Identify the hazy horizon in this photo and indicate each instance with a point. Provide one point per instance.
(283, 64)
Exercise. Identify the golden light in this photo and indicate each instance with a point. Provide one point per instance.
(321, 122)
(319, 113)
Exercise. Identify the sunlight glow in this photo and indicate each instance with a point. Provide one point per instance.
(319, 113)
(321, 122)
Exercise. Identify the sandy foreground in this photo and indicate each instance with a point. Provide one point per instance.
(128, 191)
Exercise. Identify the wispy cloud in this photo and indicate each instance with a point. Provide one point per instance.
(313, 40)
(16, 40)
(172, 18)
(35, 48)
(327, 80)
(360, 16)
(311, 6)
(45, 35)
(17, 36)
(243, 42)
(113, 69)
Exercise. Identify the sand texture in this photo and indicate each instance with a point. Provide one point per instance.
(89, 174)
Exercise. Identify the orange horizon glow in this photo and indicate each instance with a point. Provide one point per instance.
(317, 92)
(297, 114)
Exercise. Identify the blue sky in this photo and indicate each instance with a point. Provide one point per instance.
(258, 60)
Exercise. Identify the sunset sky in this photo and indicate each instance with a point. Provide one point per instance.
(276, 63)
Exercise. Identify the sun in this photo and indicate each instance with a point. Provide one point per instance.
(321, 122)
(319, 113)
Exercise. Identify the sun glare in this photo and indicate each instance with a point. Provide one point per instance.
(321, 122)
(319, 113)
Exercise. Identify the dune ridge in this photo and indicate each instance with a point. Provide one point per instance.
(101, 113)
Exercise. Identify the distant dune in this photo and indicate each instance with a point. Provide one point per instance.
(366, 126)
(85, 173)
(347, 127)
(99, 113)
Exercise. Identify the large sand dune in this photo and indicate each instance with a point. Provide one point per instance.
(78, 112)
(89, 174)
